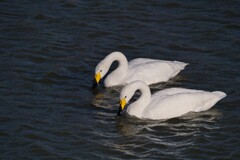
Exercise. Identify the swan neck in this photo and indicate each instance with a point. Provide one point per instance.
(120, 58)
(145, 97)
(116, 76)
(137, 108)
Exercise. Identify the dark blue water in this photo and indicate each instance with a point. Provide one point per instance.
(49, 50)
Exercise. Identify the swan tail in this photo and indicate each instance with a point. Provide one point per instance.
(220, 94)
(181, 65)
(217, 96)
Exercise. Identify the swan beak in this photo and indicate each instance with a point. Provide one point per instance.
(122, 105)
(96, 80)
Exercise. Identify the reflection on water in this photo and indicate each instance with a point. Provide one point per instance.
(129, 125)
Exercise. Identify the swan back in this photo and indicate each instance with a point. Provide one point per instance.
(174, 105)
(152, 71)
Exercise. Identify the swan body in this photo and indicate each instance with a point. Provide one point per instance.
(148, 70)
(168, 103)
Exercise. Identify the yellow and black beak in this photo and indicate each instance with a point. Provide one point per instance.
(123, 103)
(96, 80)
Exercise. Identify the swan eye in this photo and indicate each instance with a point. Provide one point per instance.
(125, 97)
(100, 70)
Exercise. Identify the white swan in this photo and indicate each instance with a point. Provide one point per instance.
(148, 70)
(168, 103)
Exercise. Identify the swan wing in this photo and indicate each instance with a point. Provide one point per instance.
(138, 61)
(181, 103)
(153, 71)
(172, 91)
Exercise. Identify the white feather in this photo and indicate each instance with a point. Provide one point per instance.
(168, 103)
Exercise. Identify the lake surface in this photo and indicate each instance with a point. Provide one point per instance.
(49, 50)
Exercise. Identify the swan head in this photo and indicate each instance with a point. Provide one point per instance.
(100, 72)
(126, 94)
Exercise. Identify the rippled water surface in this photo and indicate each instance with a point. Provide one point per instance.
(49, 50)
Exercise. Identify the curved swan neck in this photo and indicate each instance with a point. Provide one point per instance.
(139, 105)
(119, 73)
(145, 93)
(116, 56)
